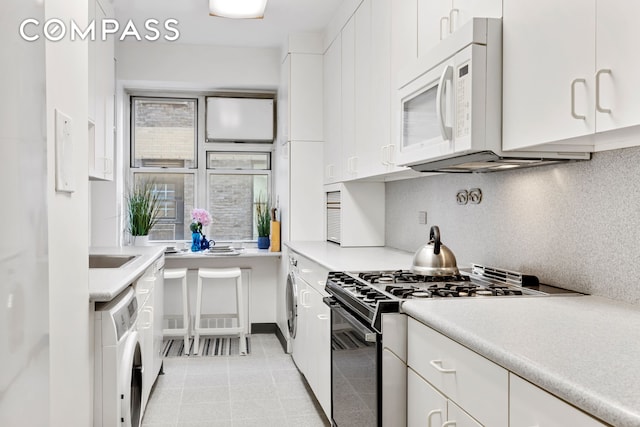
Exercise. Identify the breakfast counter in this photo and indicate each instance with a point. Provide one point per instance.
(583, 349)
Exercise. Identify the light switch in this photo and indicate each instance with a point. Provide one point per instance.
(64, 153)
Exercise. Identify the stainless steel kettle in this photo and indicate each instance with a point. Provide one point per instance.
(434, 258)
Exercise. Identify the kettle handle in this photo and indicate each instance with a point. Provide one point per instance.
(434, 235)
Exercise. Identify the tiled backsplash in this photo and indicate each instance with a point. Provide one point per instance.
(574, 225)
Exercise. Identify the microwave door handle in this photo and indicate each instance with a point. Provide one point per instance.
(445, 130)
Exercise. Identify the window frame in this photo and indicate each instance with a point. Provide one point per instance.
(200, 172)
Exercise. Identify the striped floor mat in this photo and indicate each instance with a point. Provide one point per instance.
(225, 346)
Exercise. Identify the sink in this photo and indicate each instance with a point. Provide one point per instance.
(110, 261)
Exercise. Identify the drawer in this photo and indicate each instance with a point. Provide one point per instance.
(476, 384)
(312, 273)
(530, 405)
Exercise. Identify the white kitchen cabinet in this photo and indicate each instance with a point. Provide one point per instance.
(362, 213)
(617, 33)
(477, 385)
(548, 55)
(300, 116)
(433, 23)
(358, 113)
(530, 405)
(101, 96)
(578, 76)
(404, 35)
(348, 98)
(459, 418)
(394, 370)
(425, 405)
(149, 290)
(312, 344)
(333, 163)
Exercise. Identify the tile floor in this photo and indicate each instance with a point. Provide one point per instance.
(263, 389)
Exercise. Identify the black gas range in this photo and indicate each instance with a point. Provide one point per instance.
(371, 293)
(357, 302)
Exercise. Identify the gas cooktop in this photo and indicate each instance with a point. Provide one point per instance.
(371, 293)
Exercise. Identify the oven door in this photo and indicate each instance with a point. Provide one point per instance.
(355, 369)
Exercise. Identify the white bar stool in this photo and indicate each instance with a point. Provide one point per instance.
(212, 274)
(180, 274)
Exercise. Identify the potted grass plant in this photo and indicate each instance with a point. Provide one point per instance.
(142, 210)
(263, 222)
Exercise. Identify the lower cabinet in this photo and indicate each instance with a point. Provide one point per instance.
(450, 385)
(426, 406)
(149, 293)
(475, 384)
(312, 344)
(530, 405)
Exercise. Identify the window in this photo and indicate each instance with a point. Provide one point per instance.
(164, 132)
(165, 148)
(235, 183)
(176, 196)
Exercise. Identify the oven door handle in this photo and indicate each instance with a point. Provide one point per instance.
(366, 334)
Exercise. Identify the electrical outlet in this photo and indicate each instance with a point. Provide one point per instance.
(422, 217)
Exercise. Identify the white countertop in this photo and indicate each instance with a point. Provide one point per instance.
(106, 283)
(242, 253)
(583, 349)
(337, 258)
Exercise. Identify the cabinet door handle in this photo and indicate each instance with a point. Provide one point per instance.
(391, 154)
(452, 27)
(444, 19)
(573, 99)
(438, 365)
(598, 106)
(383, 156)
(431, 414)
(449, 423)
(323, 316)
(330, 171)
(445, 130)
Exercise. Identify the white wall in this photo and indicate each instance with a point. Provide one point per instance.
(24, 252)
(182, 66)
(71, 356)
(575, 225)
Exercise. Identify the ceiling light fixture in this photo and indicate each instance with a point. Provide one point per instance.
(237, 9)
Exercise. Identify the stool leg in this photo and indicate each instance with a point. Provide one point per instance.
(196, 326)
(186, 316)
(241, 325)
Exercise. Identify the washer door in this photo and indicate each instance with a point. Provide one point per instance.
(292, 304)
(131, 382)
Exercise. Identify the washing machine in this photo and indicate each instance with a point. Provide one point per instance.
(118, 363)
(292, 303)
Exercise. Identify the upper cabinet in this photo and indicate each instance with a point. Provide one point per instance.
(569, 72)
(300, 109)
(440, 18)
(357, 96)
(101, 96)
(332, 78)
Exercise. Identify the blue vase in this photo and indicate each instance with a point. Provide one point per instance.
(204, 243)
(195, 241)
(263, 242)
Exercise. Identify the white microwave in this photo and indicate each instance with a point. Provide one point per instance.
(450, 107)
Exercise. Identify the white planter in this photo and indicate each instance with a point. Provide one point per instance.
(140, 240)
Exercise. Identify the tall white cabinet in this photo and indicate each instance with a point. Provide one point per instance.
(101, 104)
